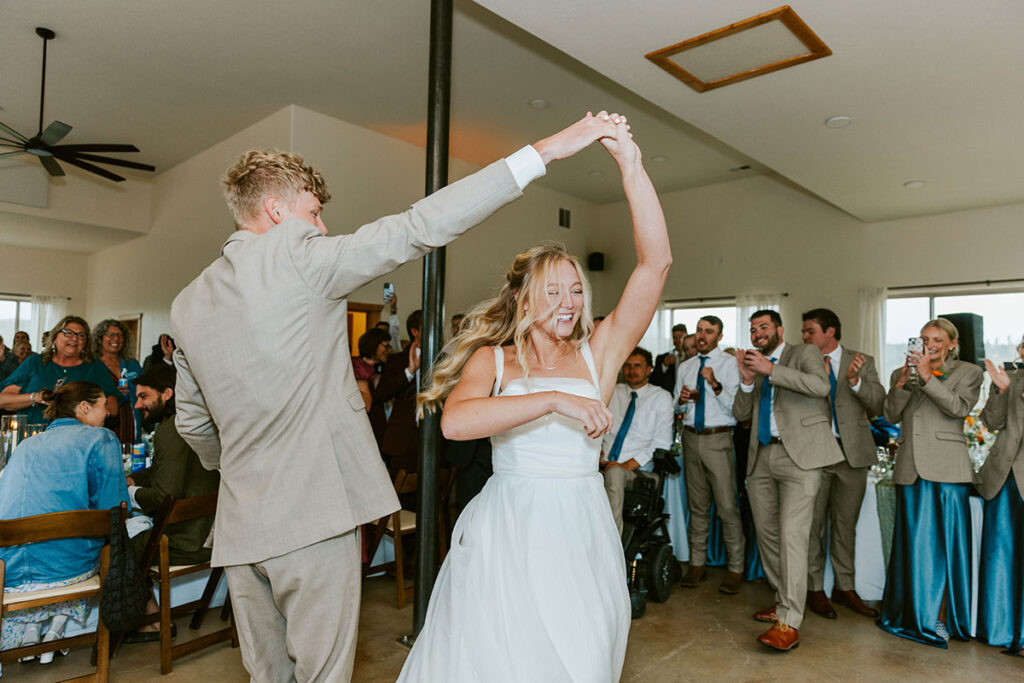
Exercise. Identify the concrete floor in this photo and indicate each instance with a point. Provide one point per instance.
(698, 635)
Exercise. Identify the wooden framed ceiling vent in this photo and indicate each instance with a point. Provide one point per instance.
(753, 47)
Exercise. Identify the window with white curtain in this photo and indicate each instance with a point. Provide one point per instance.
(658, 338)
(17, 313)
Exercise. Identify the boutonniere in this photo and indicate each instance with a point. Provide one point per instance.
(940, 373)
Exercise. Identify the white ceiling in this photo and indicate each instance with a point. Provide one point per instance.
(931, 84)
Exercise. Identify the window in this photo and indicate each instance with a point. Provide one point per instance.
(658, 337)
(16, 314)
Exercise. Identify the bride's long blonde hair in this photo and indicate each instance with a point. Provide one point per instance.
(508, 318)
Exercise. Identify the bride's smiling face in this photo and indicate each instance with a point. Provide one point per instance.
(563, 294)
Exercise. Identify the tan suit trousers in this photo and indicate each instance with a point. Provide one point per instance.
(840, 497)
(297, 614)
(711, 474)
(782, 502)
(616, 480)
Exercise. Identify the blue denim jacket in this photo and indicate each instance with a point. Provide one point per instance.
(70, 466)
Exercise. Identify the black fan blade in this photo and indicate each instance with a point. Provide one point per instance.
(51, 166)
(4, 142)
(11, 154)
(96, 148)
(105, 160)
(54, 133)
(13, 133)
(92, 169)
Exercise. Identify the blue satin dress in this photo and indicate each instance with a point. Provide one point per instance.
(1001, 579)
(931, 559)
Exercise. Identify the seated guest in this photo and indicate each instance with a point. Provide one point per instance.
(175, 471)
(399, 382)
(665, 366)
(67, 359)
(111, 345)
(374, 350)
(1001, 572)
(642, 416)
(927, 594)
(162, 351)
(74, 465)
(19, 337)
(706, 386)
(8, 361)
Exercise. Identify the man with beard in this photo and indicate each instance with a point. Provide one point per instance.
(782, 391)
(176, 469)
(705, 388)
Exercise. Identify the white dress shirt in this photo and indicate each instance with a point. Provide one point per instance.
(835, 358)
(776, 354)
(717, 409)
(651, 427)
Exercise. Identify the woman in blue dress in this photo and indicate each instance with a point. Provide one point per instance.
(67, 357)
(74, 465)
(112, 345)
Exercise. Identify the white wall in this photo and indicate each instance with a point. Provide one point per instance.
(761, 234)
(368, 174)
(45, 272)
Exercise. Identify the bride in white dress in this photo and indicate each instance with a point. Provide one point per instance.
(534, 586)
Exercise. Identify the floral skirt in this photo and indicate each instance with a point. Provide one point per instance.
(15, 623)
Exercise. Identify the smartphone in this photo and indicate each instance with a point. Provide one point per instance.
(389, 291)
(915, 345)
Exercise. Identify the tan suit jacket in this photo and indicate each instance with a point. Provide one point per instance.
(931, 419)
(854, 408)
(289, 430)
(1004, 411)
(802, 411)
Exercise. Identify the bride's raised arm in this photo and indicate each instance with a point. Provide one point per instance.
(619, 333)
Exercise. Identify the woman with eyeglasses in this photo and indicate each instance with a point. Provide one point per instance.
(67, 357)
(111, 344)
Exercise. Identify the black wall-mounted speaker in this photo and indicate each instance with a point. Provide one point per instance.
(595, 261)
(971, 327)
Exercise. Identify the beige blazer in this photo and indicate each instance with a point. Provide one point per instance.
(931, 419)
(265, 388)
(854, 409)
(802, 411)
(1004, 411)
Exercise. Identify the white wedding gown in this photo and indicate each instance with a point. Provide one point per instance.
(534, 586)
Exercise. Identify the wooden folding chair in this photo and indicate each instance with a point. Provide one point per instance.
(402, 523)
(48, 527)
(157, 557)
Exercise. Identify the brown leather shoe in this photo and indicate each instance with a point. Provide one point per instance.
(850, 600)
(694, 575)
(766, 615)
(731, 583)
(780, 637)
(818, 603)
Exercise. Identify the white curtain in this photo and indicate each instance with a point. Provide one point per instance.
(48, 312)
(872, 321)
(746, 305)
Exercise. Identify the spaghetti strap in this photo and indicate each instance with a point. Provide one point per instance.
(588, 357)
(499, 369)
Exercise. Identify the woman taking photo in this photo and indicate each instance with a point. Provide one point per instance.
(74, 465)
(534, 586)
(111, 345)
(1001, 571)
(67, 357)
(927, 594)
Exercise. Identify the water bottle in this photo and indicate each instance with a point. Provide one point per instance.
(139, 457)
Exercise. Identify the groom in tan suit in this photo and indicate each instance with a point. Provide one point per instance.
(855, 395)
(299, 466)
(783, 392)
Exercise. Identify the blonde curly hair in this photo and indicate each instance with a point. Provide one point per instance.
(507, 319)
(259, 173)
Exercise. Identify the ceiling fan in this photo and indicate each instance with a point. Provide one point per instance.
(44, 143)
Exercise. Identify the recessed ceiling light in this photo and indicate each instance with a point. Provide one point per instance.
(659, 158)
(913, 184)
(841, 121)
(538, 103)
(596, 173)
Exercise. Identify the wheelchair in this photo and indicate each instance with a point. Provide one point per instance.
(651, 567)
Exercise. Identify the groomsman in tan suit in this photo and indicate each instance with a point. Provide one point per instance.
(299, 466)
(783, 391)
(855, 395)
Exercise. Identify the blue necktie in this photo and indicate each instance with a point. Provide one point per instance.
(698, 415)
(832, 391)
(764, 413)
(627, 420)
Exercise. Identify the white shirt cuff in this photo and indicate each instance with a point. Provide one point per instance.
(526, 166)
(131, 495)
(856, 387)
(746, 388)
(408, 375)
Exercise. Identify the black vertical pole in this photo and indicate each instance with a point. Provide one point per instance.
(428, 492)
